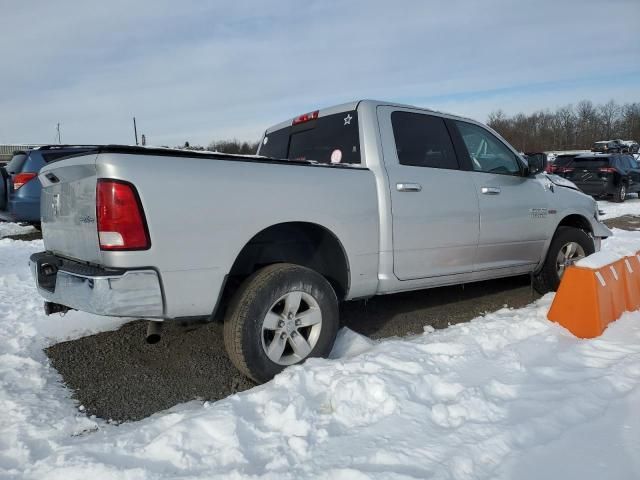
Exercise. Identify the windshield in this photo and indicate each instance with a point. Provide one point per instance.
(330, 139)
(16, 163)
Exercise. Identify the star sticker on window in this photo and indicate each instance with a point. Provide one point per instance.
(347, 119)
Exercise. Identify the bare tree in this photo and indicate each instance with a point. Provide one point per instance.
(568, 127)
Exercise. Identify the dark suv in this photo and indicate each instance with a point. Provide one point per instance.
(609, 146)
(19, 185)
(604, 174)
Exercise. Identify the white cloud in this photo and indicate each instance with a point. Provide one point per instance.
(200, 70)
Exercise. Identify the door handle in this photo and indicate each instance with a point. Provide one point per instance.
(408, 187)
(490, 190)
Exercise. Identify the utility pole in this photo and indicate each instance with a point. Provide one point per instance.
(59, 136)
(135, 130)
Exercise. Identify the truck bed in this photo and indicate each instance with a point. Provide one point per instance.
(202, 208)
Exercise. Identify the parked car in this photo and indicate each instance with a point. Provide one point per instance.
(19, 186)
(348, 202)
(630, 146)
(602, 175)
(560, 162)
(608, 146)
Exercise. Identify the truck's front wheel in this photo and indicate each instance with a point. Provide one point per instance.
(569, 245)
(280, 316)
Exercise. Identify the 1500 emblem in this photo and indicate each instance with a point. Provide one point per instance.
(538, 212)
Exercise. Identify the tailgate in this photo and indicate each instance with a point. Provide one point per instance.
(68, 208)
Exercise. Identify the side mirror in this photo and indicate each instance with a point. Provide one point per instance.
(537, 163)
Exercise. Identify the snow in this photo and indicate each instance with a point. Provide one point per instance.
(598, 260)
(631, 206)
(509, 395)
(7, 228)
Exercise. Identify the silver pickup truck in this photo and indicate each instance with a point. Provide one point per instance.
(344, 203)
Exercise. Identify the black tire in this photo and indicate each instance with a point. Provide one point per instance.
(243, 334)
(547, 279)
(621, 193)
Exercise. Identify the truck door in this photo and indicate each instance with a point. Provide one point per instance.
(514, 210)
(434, 203)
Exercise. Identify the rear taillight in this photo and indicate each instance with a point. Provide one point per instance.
(20, 179)
(563, 170)
(607, 170)
(307, 117)
(121, 222)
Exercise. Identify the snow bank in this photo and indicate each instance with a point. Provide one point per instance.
(598, 260)
(14, 229)
(623, 242)
(508, 395)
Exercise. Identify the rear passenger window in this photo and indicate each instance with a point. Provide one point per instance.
(423, 141)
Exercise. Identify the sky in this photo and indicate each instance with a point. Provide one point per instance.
(200, 71)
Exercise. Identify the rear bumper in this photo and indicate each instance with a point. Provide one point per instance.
(118, 293)
(596, 188)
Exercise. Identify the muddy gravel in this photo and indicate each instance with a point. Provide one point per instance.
(625, 222)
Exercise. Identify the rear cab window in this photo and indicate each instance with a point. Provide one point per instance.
(331, 139)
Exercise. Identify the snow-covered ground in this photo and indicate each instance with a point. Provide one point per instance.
(631, 206)
(14, 229)
(509, 395)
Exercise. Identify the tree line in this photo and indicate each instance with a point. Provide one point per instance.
(226, 146)
(571, 127)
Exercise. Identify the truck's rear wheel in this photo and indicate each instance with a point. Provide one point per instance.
(280, 316)
(569, 245)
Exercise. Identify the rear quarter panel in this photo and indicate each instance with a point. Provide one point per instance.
(201, 213)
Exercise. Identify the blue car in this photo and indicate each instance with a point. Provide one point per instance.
(19, 185)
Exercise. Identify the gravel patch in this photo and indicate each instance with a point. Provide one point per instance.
(625, 222)
(117, 376)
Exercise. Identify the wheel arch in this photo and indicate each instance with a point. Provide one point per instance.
(302, 243)
(577, 221)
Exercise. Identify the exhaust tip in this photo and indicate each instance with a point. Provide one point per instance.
(153, 332)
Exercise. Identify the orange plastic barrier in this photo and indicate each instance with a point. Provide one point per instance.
(590, 299)
(632, 281)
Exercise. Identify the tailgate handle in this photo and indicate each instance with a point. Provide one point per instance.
(408, 187)
(52, 178)
(490, 190)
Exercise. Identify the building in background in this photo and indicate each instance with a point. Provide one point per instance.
(6, 150)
